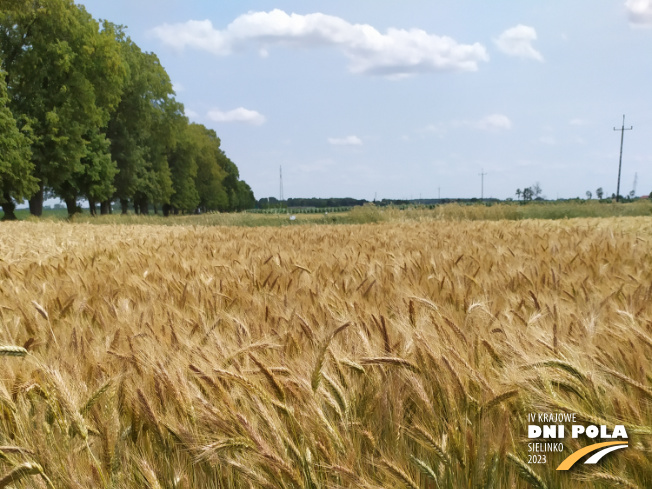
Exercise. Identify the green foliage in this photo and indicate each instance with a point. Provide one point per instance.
(367, 213)
(65, 76)
(100, 119)
(272, 202)
(140, 128)
(16, 179)
(99, 170)
(246, 199)
(210, 174)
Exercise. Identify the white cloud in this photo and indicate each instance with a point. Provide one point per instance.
(639, 12)
(517, 41)
(191, 114)
(237, 115)
(346, 141)
(396, 53)
(177, 87)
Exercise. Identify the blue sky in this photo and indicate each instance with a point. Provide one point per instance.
(411, 99)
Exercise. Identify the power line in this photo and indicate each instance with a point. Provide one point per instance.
(620, 162)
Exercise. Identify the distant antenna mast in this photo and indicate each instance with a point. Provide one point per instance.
(281, 183)
(620, 162)
(635, 182)
(482, 174)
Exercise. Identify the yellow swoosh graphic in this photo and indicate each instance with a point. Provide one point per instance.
(574, 457)
(597, 456)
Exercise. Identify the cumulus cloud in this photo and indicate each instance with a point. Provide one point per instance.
(346, 141)
(237, 115)
(395, 53)
(639, 12)
(517, 41)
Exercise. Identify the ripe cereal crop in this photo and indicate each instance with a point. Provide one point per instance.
(395, 354)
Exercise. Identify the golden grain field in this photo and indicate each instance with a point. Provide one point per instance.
(382, 355)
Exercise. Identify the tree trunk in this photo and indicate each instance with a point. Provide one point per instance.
(105, 207)
(72, 206)
(166, 209)
(144, 206)
(124, 205)
(91, 207)
(36, 202)
(8, 206)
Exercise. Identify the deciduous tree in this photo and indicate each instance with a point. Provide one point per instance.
(64, 75)
(210, 175)
(141, 129)
(16, 179)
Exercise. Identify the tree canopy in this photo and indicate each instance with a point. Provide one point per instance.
(85, 114)
(16, 169)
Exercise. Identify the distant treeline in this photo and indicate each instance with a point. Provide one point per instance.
(85, 114)
(274, 203)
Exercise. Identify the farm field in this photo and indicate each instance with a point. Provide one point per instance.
(404, 353)
(369, 213)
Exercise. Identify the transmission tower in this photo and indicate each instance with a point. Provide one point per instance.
(280, 193)
(634, 186)
(620, 162)
(482, 174)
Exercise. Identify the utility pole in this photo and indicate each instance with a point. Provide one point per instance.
(281, 184)
(482, 174)
(620, 162)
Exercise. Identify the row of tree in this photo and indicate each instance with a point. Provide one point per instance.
(85, 114)
(274, 203)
